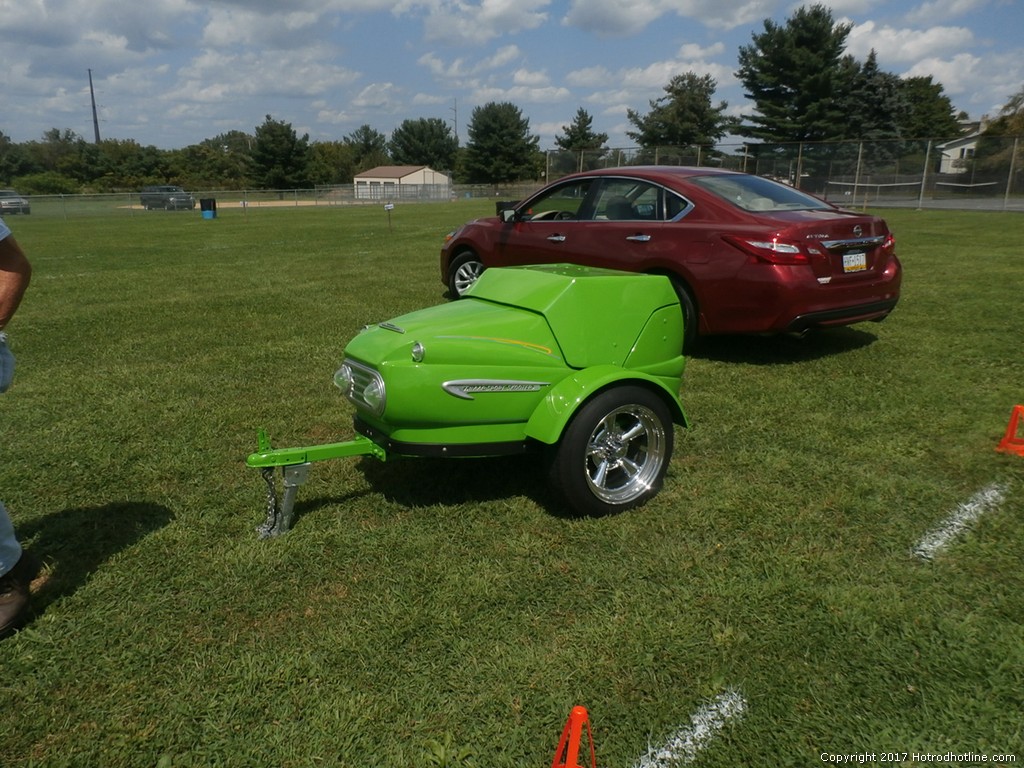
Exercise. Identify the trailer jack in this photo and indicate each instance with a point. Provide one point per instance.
(294, 464)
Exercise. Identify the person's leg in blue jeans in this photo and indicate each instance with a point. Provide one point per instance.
(16, 568)
(16, 573)
(10, 549)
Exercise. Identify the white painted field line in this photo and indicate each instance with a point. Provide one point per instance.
(986, 500)
(684, 745)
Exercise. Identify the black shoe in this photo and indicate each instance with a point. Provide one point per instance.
(14, 593)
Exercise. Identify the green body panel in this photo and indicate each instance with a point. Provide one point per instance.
(549, 420)
(516, 356)
(462, 339)
(598, 313)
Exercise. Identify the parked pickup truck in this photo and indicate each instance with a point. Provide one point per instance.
(166, 197)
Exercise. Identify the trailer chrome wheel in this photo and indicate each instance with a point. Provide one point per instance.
(615, 451)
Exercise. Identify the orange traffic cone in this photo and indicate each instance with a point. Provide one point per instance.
(1010, 442)
(567, 754)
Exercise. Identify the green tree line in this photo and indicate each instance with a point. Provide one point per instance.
(801, 83)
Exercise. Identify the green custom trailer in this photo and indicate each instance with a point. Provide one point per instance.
(581, 364)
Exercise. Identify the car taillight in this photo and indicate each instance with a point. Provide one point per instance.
(889, 246)
(773, 251)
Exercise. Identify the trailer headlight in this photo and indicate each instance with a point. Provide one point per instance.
(362, 385)
(373, 396)
(343, 379)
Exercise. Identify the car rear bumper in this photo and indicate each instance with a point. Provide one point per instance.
(875, 311)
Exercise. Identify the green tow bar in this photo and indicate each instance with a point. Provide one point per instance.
(294, 464)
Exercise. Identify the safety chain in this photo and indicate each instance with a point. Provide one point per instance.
(269, 527)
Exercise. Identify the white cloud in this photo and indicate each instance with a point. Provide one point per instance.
(380, 96)
(960, 75)
(839, 7)
(521, 94)
(229, 27)
(456, 21)
(904, 45)
(692, 51)
(614, 18)
(589, 77)
(525, 77)
(105, 41)
(436, 66)
(429, 99)
(953, 73)
(937, 10)
(502, 57)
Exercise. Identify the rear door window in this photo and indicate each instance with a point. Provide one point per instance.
(636, 200)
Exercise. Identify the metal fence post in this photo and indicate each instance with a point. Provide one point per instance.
(1009, 176)
(856, 175)
(924, 175)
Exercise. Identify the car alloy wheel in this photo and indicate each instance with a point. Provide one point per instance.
(463, 273)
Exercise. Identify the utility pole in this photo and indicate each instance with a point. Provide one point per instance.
(95, 120)
(455, 110)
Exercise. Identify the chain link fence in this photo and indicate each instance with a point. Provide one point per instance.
(971, 173)
(985, 173)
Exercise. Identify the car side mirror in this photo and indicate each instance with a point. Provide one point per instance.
(505, 207)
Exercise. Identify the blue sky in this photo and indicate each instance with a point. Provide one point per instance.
(174, 72)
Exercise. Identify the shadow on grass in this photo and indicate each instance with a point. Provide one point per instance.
(73, 543)
(421, 482)
(782, 350)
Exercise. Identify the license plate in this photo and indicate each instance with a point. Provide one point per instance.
(855, 262)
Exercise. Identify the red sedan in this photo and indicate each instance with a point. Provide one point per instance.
(746, 254)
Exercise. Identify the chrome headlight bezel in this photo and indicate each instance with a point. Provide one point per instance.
(363, 386)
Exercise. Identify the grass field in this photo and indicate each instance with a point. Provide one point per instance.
(425, 613)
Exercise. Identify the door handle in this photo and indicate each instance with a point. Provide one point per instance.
(639, 238)
(556, 238)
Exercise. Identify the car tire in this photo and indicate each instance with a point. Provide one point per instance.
(614, 454)
(463, 272)
(690, 321)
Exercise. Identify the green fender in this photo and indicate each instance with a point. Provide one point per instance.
(550, 418)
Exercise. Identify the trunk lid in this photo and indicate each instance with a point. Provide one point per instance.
(842, 246)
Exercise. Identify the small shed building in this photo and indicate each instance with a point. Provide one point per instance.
(402, 182)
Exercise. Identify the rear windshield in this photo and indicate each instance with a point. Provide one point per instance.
(756, 193)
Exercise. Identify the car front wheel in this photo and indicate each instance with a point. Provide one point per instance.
(464, 271)
(614, 454)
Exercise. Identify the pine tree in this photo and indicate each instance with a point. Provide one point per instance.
(426, 141)
(280, 158)
(500, 147)
(794, 74)
(684, 116)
